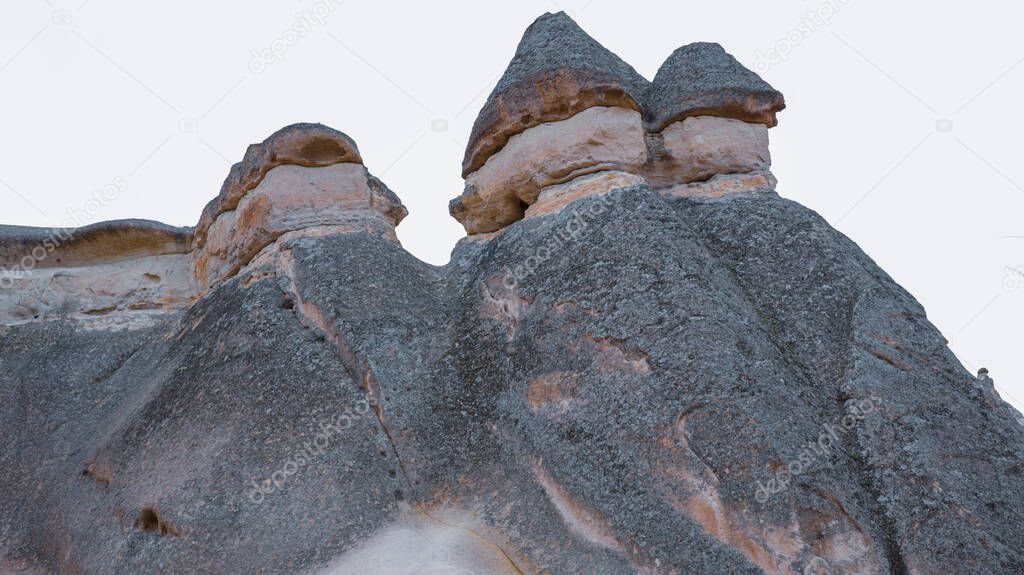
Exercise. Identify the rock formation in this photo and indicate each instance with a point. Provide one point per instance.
(701, 79)
(557, 72)
(115, 273)
(640, 360)
(567, 108)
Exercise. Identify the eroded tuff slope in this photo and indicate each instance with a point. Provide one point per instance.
(641, 360)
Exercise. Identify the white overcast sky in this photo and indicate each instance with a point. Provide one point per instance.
(903, 128)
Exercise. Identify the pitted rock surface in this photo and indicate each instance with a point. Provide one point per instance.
(557, 71)
(702, 79)
(655, 367)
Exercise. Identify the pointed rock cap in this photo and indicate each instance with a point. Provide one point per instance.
(702, 79)
(304, 144)
(557, 72)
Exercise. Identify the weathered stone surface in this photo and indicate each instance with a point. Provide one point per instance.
(615, 387)
(939, 456)
(129, 293)
(311, 145)
(106, 427)
(305, 178)
(600, 139)
(552, 199)
(290, 198)
(558, 71)
(701, 79)
(683, 380)
(700, 147)
(113, 274)
(595, 140)
(724, 184)
(97, 243)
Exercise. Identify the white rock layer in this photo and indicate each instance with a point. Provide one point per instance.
(595, 140)
(700, 147)
(109, 284)
(553, 199)
(541, 169)
(289, 198)
(121, 294)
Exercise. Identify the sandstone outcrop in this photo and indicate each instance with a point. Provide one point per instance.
(303, 179)
(98, 243)
(595, 140)
(565, 107)
(291, 197)
(310, 145)
(107, 274)
(705, 117)
(303, 176)
(653, 364)
(557, 72)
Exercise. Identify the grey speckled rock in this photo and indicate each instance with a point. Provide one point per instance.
(941, 456)
(557, 71)
(629, 380)
(630, 384)
(702, 79)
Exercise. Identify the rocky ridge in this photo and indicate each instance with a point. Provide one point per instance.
(640, 360)
(304, 178)
(567, 108)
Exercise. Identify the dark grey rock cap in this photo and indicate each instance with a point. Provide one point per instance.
(558, 71)
(702, 79)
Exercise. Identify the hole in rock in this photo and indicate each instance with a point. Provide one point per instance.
(322, 151)
(151, 520)
(148, 520)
